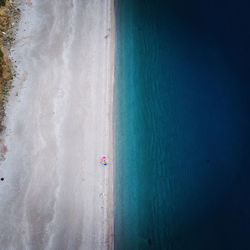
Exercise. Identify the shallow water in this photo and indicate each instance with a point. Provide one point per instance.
(182, 125)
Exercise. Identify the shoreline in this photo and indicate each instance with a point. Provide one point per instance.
(41, 124)
(111, 121)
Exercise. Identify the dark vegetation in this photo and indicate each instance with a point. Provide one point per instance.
(8, 14)
(2, 2)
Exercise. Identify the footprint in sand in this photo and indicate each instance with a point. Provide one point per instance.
(29, 3)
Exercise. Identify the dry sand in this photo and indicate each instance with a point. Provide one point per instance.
(56, 194)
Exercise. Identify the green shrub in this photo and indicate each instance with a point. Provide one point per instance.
(1, 53)
(2, 2)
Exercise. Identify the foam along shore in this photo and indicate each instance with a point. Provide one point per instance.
(58, 125)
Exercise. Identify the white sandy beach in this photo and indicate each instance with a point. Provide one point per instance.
(56, 194)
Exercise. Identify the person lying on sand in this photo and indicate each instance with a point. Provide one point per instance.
(103, 161)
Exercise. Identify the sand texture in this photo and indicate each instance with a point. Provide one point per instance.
(56, 194)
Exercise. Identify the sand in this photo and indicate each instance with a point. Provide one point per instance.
(56, 194)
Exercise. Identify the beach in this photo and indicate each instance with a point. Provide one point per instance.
(56, 192)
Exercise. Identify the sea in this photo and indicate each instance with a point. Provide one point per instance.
(182, 126)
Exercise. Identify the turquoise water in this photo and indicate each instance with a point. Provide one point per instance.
(182, 127)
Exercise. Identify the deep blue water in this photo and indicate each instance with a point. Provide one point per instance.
(182, 125)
